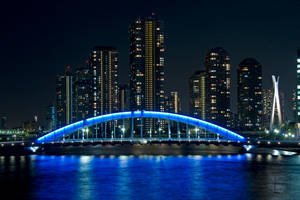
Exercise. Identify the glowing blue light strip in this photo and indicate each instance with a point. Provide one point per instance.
(139, 114)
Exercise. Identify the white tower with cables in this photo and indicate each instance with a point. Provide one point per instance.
(276, 103)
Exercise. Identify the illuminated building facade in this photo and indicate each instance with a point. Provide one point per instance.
(124, 97)
(298, 88)
(217, 63)
(249, 92)
(103, 70)
(50, 118)
(147, 62)
(173, 103)
(197, 95)
(64, 97)
(267, 107)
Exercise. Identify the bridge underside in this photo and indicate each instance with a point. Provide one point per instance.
(140, 124)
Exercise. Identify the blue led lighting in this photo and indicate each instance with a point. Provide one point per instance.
(51, 136)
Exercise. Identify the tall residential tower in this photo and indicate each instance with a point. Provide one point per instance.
(147, 62)
(197, 95)
(64, 98)
(217, 63)
(103, 70)
(249, 93)
(298, 88)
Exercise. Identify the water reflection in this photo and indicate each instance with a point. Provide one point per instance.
(244, 176)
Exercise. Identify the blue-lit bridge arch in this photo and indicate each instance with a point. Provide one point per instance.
(80, 125)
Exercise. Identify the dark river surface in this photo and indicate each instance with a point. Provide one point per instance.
(241, 176)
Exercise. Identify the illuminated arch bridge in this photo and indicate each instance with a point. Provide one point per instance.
(140, 124)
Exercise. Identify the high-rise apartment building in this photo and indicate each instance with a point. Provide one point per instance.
(103, 70)
(298, 88)
(267, 103)
(81, 93)
(64, 98)
(50, 118)
(147, 62)
(197, 95)
(173, 102)
(249, 94)
(217, 63)
(124, 97)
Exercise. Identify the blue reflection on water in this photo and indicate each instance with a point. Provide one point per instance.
(150, 177)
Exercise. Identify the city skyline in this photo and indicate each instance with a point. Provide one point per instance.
(36, 86)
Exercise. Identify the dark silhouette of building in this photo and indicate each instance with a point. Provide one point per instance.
(197, 95)
(3, 121)
(217, 63)
(81, 93)
(249, 93)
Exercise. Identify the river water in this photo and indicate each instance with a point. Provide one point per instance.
(242, 176)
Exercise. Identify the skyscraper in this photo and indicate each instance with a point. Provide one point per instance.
(147, 62)
(173, 102)
(81, 93)
(249, 90)
(197, 95)
(50, 118)
(104, 93)
(64, 98)
(124, 97)
(294, 104)
(298, 88)
(267, 107)
(217, 63)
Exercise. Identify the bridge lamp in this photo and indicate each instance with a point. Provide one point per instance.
(123, 131)
(285, 135)
(276, 130)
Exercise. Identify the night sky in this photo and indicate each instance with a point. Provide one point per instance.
(39, 38)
